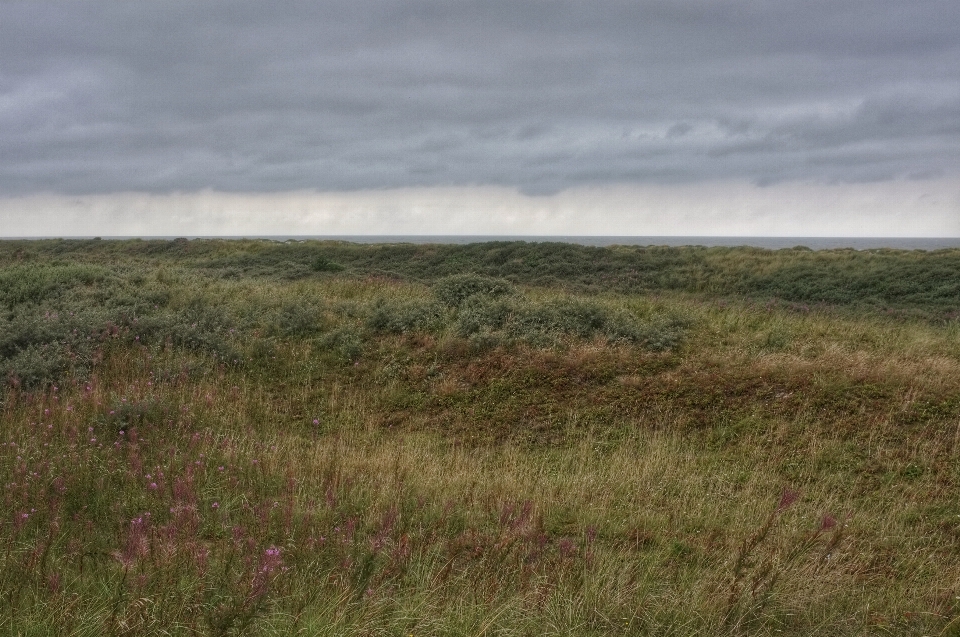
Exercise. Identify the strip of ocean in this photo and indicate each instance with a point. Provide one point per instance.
(771, 243)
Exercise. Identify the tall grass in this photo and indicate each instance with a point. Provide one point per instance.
(341, 453)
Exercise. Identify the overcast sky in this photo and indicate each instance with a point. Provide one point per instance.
(107, 105)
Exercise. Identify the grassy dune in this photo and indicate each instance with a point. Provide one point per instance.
(216, 438)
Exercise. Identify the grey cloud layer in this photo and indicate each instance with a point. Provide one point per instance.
(253, 96)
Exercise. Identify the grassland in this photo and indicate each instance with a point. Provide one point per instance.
(253, 438)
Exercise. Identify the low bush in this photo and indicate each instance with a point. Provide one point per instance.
(41, 347)
(323, 264)
(198, 327)
(662, 333)
(548, 322)
(298, 319)
(543, 322)
(481, 314)
(454, 290)
(401, 317)
(36, 283)
(345, 343)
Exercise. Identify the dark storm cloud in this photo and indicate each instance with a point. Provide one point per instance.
(254, 96)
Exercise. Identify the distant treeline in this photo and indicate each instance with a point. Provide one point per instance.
(924, 283)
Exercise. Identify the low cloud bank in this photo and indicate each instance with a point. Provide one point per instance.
(922, 208)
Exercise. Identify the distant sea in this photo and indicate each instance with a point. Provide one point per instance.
(772, 243)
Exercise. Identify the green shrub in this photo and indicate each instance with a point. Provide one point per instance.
(487, 320)
(292, 271)
(403, 317)
(927, 282)
(262, 350)
(454, 290)
(38, 365)
(38, 347)
(663, 333)
(199, 327)
(481, 314)
(36, 283)
(323, 264)
(345, 343)
(297, 319)
(537, 324)
(546, 322)
(202, 328)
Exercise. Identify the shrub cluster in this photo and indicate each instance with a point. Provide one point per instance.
(401, 317)
(36, 283)
(55, 320)
(546, 323)
(60, 301)
(298, 319)
(454, 290)
(490, 312)
(40, 348)
(924, 283)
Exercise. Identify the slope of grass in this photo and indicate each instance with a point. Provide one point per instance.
(241, 438)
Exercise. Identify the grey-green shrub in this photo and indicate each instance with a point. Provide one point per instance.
(38, 365)
(323, 264)
(40, 346)
(297, 319)
(401, 317)
(456, 289)
(345, 343)
(544, 323)
(36, 283)
(200, 327)
(481, 314)
(662, 333)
